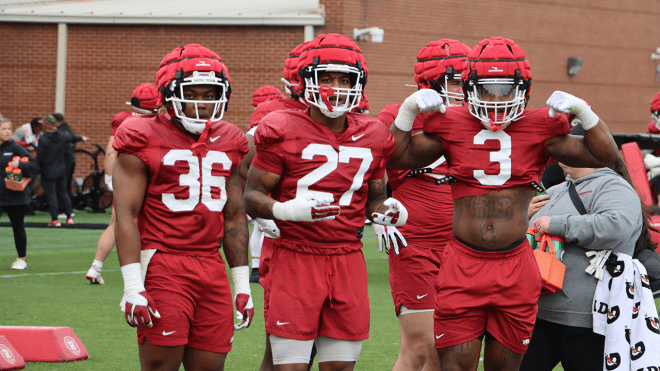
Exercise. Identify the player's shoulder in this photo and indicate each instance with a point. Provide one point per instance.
(388, 113)
(138, 131)
(538, 118)
(121, 116)
(272, 105)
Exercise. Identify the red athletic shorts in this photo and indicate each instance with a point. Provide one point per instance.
(412, 277)
(318, 295)
(193, 297)
(480, 291)
(267, 249)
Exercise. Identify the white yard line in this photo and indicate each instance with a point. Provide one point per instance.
(50, 274)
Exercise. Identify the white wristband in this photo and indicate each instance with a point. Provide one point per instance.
(588, 118)
(241, 278)
(404, 120)
(132, 274)
(108, 181)
(283, 211)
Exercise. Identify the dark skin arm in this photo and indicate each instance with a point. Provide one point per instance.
(259, 184)
(129, 181)
(235, 241)
(247, 160)
(413, 151)
(377, 194)
(596, 149)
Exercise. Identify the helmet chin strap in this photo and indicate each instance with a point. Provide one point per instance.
(200, 149)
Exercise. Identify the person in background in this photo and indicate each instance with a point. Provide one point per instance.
(28, 135)
(51, 153)
(613, 223)
(15, 203)
(144, 101)
(57, 120)
(265, 93)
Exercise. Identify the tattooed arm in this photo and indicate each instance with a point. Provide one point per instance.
(596, 149)
(235, 241)
(257, 201)
(377, 193)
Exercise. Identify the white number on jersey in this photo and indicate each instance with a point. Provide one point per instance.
(503, 157)
(191, 181)
(333, 159)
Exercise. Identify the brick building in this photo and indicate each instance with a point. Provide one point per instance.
(110, 47)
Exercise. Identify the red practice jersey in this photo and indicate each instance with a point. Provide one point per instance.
(185, 196)
(653, 128)
(310, 158)
(429, 223)
(273, 105)
(482, 160)
(119, 118)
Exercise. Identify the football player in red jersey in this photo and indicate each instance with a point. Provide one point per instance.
(489, 282)
(179, 177)
(324, 168)
(144, 100)
(413, 271)
(654, 125)
(268, 227)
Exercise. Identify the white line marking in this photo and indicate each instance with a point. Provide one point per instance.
(51, 274)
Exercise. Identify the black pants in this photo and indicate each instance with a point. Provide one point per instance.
(16, 215)
(577, 348)
(69, 168)
(55, 189)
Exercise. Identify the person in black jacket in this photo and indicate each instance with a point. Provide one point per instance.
(57, 120)
(51, 154)
(15, 203)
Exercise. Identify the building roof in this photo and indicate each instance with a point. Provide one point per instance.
(173, 12)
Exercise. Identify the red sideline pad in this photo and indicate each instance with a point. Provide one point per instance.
(634, 160)
(10, 359)
(45, 344)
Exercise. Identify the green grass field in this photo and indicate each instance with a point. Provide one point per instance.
(53, 291)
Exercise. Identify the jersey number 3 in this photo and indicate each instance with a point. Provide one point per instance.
(503, 157)
(333, 159)
(191, 180)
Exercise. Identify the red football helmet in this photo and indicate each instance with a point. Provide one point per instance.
(145, 99)
(496, 82)
(291, 79)
(193, 65)
(437, 63)
(332, 53)
(655, 110)
(265, 93)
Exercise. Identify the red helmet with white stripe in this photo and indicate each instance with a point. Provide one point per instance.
(496, 82)
(438, 63)
(193, 65)
(332, 53)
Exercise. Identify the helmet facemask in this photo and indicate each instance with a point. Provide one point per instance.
(443, 88)
(196, 124)
(496, 102)
(333, 102)
(656, 117)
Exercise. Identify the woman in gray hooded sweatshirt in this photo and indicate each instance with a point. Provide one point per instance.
(564, 324)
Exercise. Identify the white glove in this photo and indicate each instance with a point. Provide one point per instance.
(653, 172)
(307, 208)
(424, 100)
(567, 103)
(139, 305)
(269, 227)
(396, 215)
(388, 237)
(108, 182)
(242, 297)
(651, 161)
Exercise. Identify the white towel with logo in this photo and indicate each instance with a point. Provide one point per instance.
(625, 313)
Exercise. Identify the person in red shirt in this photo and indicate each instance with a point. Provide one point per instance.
(317, 172)
(144, 100)
(489, 282)
(413, 269)
(178, 178)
